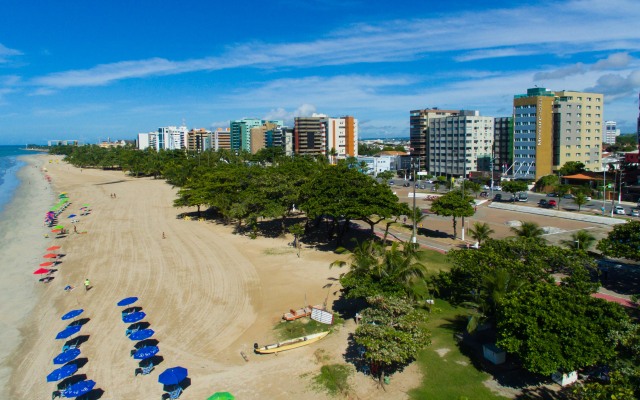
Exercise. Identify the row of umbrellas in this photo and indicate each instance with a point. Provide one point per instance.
(133, 317)
(171, 376)
(66, 357)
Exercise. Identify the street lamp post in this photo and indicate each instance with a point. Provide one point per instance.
(414, 239)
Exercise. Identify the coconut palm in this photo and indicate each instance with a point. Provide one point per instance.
(580, 240)
(481, 231)
(495, 286)
(530, 230)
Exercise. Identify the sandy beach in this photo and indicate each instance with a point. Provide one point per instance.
(207, 293)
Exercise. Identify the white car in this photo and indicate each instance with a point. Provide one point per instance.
(499, 188)
(619, 210)
(635, 212)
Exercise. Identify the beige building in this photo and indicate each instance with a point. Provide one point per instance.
(578, 129)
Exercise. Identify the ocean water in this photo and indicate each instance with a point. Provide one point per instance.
(9, 166)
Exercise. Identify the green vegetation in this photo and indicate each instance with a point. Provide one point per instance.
(334, 379)
(454, 204)
(448, 373)
(302, 327)
(622, 242)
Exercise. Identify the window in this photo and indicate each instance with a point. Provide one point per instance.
(567, 154)
(578, 154)
(598, 99)
(568, 138)
(567, 146)
(597, 107)
(588, 98)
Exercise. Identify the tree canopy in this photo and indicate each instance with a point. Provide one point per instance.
(454, 204)
(554, 328)
(622, 242)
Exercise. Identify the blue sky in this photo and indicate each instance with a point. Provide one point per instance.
(91, 70)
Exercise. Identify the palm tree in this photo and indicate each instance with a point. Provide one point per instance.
(530, 230)
(495, 286)
(581, 239)
(481, 231)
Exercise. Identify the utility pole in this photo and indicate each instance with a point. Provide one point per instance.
(463, 215)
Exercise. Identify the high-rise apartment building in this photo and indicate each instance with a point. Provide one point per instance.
(611, 132)
(553, 128)
(171, 138)
(458, 142)
(418, 127)
(342, 136)
(222, 139)
(241, 132)
(310, 135)
(578, 129)
(199, 140)
(502, 144)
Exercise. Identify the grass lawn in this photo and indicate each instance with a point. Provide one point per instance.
(449, 374)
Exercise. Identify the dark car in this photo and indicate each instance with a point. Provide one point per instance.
(543, 203)
(497, 197)
(406, 184)
(552, 195)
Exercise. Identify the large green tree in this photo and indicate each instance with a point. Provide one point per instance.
(623, 241)
(345, 194)
(514, 187)
(454, 204)
(392, 333)
(571, 168)
(555, 328)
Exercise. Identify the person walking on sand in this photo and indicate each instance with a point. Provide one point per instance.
(163, 236)
(87, 284)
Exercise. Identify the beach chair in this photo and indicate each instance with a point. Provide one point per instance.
(175, 393)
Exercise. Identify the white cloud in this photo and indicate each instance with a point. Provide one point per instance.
(304, 110)
(578, 68)
(616, 60)
(616, 85)
(558, 27)
(6, 53)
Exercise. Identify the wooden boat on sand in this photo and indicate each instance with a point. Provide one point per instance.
(292, 315)
(289, 344)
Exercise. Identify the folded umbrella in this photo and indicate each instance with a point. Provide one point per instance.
(53, 248)
(142, 334)
(134, 317)
(47, 264)
(173, 376)
(50, 255)
(146, 352)
(66, 356)
(62, 372)
(68, 331)
(41, 271)
(72, 314)
(79, 389)
(126, 301)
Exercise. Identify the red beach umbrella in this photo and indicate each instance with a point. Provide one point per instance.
(53, 248)
(50, 255)
(47, 264)
(56, 230)
(40, 271)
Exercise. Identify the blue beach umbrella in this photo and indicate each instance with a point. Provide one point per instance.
(79, 389)
(72, 216)
(72, 314)
(127, 301)
(172, 376)
(62, 372)
(69, 331)
(134, 317)
(146, 352)
(66, 356)
(141, 335)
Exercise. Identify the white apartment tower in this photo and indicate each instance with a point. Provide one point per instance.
(456, 143)
(172, 138)
(342, 135)
(611, 132)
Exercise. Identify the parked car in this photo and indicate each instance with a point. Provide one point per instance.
(568, 196)
(392, 183)
(423, 186)
(543, 203)
(619, 210)
(406, 184)
(497, 197)
(552, 194)
(552, 203)
(522, 196)
(588, 198)
(635, 212)
(498, 188)
(486, 187)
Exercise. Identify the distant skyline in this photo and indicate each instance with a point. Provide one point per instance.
(92, 70)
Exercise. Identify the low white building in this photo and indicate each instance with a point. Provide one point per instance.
(377, 164)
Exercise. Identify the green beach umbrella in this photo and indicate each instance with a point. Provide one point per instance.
(221, 396)
(58, 227)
